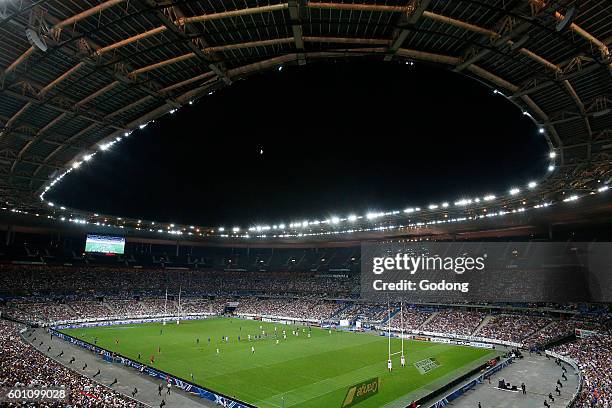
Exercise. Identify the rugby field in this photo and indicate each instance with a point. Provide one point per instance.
(302, 371)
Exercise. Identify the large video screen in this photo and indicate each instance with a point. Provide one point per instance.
(104, 244)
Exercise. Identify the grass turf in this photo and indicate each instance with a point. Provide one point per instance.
(305, 372)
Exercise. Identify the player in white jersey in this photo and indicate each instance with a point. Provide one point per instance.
(403, 361)
(389, 365)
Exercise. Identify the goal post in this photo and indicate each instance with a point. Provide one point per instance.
(401, 351)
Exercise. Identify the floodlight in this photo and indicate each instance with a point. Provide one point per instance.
(567, 19)
(35, 39)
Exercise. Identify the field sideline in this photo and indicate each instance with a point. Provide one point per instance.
(305, 372)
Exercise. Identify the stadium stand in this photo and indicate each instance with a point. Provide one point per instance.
(412, 318)
(454, 322)
(48, 292)
(23, 365)
(594, 357)
(513, 328)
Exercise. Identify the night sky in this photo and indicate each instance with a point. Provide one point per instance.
(337, 138)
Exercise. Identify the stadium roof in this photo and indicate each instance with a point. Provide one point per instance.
(112, 66)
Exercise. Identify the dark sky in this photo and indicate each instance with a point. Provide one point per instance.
(337, 138)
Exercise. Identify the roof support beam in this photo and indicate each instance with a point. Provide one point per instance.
(68, 143)
(603, 48)
(234, 13)
(180, 34)
(407, 21)
(161, 64)
(33, 101)
(181, 21)
(42, 93)
(547, 84)
(61, 24)
(129, 40)
(89, 61)
(39, 135)
(201, 77)
(94, 95)
(572, 92)
(296, 27)
(459, 24)
(251, 44)
(358, 7)
(427, 56)
(500, 37)
(192, 20)
(261, 43)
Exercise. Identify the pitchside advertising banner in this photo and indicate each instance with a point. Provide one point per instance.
(360, 392)
(487, 271)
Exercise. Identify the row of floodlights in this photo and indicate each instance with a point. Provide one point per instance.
(369, 216)
(375, 215)
(304, 224)
(236, 230)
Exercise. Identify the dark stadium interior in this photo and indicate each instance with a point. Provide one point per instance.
(204, 177)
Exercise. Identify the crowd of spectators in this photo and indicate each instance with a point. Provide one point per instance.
(456, 322)
(21, 365)
(364, 312)
(529, 330)
(36, 312)
(593, 355)
(88, 281)
(89, 309)
(558, 329)
(115, 308)
(46, 312)
(199, 306)
(293, 308)
(412, 318)
(514, 328)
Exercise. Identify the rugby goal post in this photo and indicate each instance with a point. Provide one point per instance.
(401, 352)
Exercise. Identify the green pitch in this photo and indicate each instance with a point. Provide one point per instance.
(305, 372)
(104, 247)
